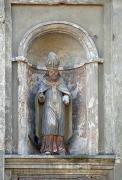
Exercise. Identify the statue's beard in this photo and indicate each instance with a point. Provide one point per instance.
(54, 78)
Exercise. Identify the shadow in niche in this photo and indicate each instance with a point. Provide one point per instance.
(34, 82)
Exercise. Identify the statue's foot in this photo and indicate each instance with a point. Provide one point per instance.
(55, 153)
(46, 153)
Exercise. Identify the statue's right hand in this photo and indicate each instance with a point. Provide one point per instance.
(41, 97)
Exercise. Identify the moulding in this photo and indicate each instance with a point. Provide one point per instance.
(71, 29)
(61, 68)
(58, 2)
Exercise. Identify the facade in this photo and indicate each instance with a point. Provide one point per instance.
(86, 35)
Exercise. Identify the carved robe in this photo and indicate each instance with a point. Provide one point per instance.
(53, 117)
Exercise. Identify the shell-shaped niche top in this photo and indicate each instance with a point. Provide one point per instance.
(69, 41)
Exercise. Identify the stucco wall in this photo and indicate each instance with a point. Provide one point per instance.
(105, 28)
(116, 66)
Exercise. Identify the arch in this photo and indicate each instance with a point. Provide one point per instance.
(71, 29)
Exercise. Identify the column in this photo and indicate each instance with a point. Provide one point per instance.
(92, 107)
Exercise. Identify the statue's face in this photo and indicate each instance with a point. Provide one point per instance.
(53, 74)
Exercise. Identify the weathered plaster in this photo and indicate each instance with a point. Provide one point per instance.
(2, 89)
(8, 79)
(116, 83)
(91, 21)
(92, 107)
(112, 78)
(22, 108)
(107, 82)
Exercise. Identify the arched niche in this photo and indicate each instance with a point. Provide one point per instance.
(70, 29)
(81, 76)
(69, 50)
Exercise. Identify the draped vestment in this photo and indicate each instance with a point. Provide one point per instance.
(53, 117)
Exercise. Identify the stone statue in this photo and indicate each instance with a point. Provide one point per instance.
(53, 115)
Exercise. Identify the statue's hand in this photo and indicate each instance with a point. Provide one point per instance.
(41, 98)
(66, 99)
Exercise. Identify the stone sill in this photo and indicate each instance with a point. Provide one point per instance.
(69, 164)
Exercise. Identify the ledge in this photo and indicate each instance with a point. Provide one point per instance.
(61, 68)
(69, 164)
(58, 2)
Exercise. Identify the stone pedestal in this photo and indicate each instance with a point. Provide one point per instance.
(37, 167)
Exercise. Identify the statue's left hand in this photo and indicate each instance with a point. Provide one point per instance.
(41, 98)
(66, 99)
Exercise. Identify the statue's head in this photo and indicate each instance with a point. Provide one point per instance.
(53, 61)
(52, 65)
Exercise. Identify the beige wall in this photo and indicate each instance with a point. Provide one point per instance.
(103, 23)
